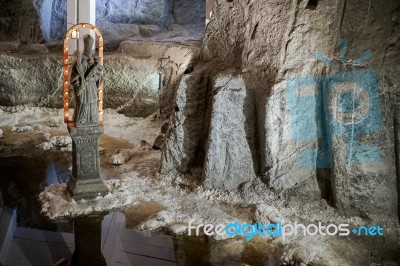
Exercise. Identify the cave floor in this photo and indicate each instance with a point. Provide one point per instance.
(165, 204)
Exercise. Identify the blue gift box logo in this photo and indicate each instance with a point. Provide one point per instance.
(340, 104)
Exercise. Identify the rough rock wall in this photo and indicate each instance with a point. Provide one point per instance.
(188, 12)
(134, 12)
(169, 61)
(310, 65)
(112, 17)
(19, 21)
(134, 78)
(37, 21)
(121, 19)
(116, 19)
(53, 18)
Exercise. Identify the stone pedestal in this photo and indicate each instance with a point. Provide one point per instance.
(86, 182)
(87, 231)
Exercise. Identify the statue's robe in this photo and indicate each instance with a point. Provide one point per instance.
(84, 78)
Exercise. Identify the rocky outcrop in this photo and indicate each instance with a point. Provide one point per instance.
(187, 125)
(231, 152)
(324, 85)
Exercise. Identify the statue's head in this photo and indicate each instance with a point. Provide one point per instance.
(87, 44)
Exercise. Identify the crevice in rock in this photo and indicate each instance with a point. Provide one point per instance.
(173, 8)
(342, 16)
(238, 51)
(200, 157)
(324, 162)
(251, 128)
(384, 55)
(106, 4)
(324, 184)
(253, 35)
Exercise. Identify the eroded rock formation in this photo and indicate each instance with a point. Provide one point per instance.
(302, 148)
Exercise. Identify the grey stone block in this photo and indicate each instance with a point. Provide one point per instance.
(187, 125)
(367, 187)
(279, 152)
(230, 159)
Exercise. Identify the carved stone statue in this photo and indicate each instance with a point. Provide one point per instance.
(85, 76)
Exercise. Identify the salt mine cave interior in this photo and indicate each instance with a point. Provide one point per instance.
(199, 132)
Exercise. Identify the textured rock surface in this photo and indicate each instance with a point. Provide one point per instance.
(281, 150)
(19, 21)
(187, 125)
(277, 43)
(30, 80)
(188, 12)
(178, 229)
(134, 12)
(45, 20)
(26, 128)
(231, 144)
(121, 19)
(131, 80)
(158, 65)
(112, 17)
(53, 18)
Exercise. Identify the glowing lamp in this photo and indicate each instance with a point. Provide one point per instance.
(75, 34)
